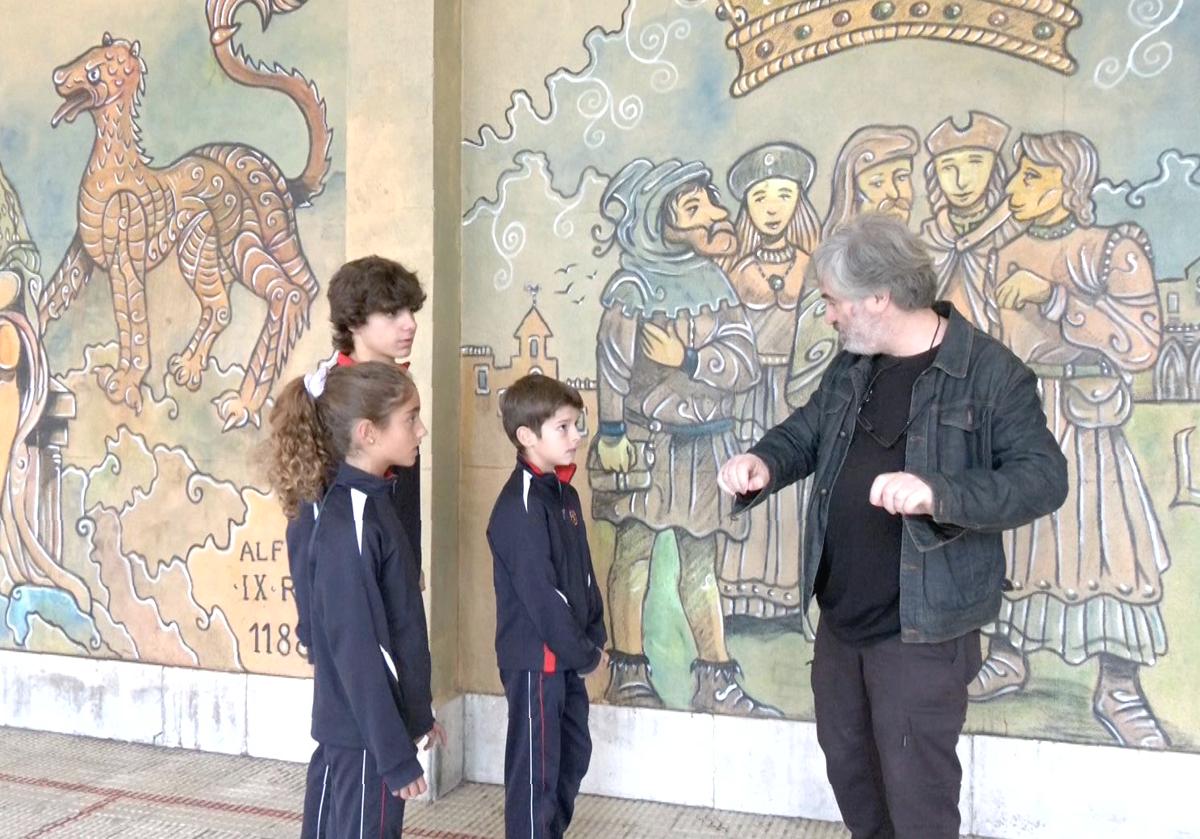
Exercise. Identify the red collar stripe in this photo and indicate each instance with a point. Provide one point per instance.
(564, 473)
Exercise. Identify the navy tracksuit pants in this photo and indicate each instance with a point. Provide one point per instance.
(345, 797)
(547, 751)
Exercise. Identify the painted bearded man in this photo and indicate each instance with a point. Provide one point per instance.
(673, 349)
(873, 173)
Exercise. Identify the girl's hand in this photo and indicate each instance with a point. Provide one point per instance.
(413, 790)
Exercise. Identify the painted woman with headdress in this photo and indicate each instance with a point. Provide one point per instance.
(777, 229)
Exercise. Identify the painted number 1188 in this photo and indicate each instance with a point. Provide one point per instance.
(278, 639)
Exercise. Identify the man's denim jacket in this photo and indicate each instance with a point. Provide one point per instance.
(979, 440)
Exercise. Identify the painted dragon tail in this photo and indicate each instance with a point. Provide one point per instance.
(244, 70)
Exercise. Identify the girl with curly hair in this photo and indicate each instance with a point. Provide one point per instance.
(336, 434)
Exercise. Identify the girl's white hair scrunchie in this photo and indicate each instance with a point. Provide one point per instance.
(314, 382)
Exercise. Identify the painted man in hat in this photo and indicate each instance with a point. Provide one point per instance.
(777, 231)
(673, 349)
(1077, 303)
(873, 173)
(964, 181)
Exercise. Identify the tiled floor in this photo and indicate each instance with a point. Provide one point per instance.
(57, 786)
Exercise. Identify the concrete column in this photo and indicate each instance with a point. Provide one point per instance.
(402, 197)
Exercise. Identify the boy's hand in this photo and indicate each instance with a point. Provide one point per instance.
(602, 664)
(436, 736)
(413, 790)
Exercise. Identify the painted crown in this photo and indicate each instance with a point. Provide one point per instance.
(771, 36)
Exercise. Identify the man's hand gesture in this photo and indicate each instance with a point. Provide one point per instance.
(902, 494)
(744, 473)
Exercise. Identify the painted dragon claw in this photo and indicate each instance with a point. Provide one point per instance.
(187, 370)
(234, 412)
(122, 386)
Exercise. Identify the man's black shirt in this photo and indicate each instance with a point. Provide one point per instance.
(858, 581)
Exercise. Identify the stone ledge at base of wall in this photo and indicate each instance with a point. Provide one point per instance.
(179, 707)
(1011, 787)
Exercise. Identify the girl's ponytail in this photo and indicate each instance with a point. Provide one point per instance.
(311, 435)
(301, 457)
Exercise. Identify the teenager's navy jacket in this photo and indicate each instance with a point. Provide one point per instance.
(549, 615)
(369, 643)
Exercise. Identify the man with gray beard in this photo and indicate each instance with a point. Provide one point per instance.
(925, 440)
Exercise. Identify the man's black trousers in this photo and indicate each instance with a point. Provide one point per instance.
(888, 719)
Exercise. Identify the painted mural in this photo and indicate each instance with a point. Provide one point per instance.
(640, 227)
(635, 223)
(148, 309)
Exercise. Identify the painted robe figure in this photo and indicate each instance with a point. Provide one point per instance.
(777, 229)
(673, 349)
(964, 182)
(1077, 302)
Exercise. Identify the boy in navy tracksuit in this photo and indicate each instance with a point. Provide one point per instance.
(372, 306)
(549, 616)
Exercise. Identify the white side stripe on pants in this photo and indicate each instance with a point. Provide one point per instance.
(529, 707)
(321, 806)
(362, 805)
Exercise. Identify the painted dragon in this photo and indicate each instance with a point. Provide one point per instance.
(224, 210)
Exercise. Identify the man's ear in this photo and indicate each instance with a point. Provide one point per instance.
(526, 437)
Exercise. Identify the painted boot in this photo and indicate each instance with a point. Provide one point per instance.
(629, 682)
(718, 691)
(1121, 707)
(1004, 671)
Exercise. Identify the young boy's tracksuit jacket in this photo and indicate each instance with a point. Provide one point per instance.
(370, 649)
(549, 631)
